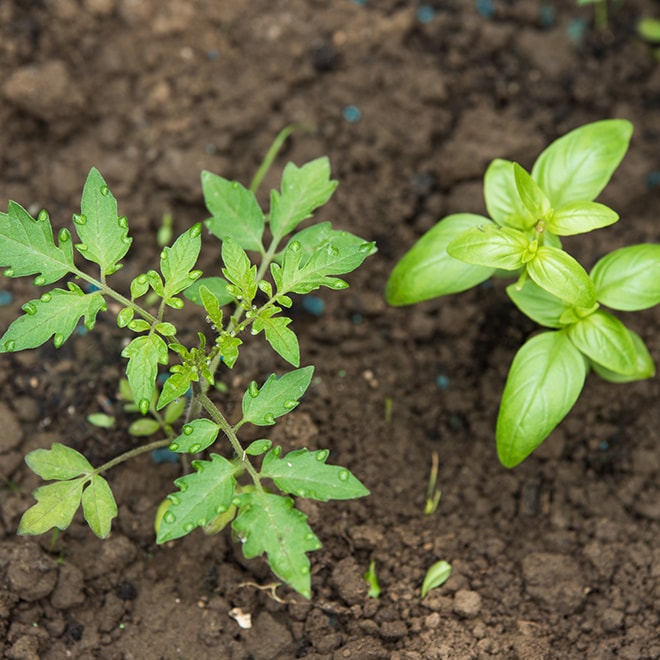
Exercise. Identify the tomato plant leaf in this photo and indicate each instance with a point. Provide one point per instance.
(268, 523)
(27, 246)
(235, 212)
(577, 166)
(104, 235)
(545, 379)
(177, 384)
(195, 436)
(282, 339)
(177, 262)
(202, 496)
(239, 271)
(628, 279)
(99, 506)
(59, 462)
(217, 286)
(55, 314)
(304, 473)
(144, 355)
(56, 505)
(303, 189)
(277, 396)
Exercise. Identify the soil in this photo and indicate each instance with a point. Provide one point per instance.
(558, 558)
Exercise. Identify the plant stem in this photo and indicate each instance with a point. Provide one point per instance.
(132, 454)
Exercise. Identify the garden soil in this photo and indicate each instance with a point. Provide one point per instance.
(558, 558)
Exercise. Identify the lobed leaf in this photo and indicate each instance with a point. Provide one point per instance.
(239, 271)
(202, 496)
(319, 236)
(56, 505)
(104, 235)
(561, 275)
(268, 523)
(55, 314)
(99, 506)
(503, 202)
(303, 190)
(27, 246)
(177, 262)
(235, 212)
(59, 462)
(277, 396)
(282, 339)
(580, 218)
(629, 278)
(607, 341)
(427, 271)
(216, 286)
(544, 382)
(144, 355)
(195, 436)
(177, 384)
(304, 473)
(577, 166)
(490, 246)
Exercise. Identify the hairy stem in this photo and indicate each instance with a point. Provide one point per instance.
(158, 444)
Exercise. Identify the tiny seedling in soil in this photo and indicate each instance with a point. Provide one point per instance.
(528, 215)
(266, 259)
(372, 580)
(436, 576)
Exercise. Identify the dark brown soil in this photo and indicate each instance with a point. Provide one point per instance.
(558, 558)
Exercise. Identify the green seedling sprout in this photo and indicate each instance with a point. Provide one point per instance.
(436, 576)
(266, 259)
(433, 494)
(372, 580)
(529, 212)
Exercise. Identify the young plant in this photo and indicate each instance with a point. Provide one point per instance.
(250, 485)
(528, 214)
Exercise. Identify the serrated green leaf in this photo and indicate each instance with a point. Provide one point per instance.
(269, 524)
(143, 427)
(577, 166)
(103, 234)
(144, 355)
(304, 473)
(177, 384)
(228, 346)
(56, 505)
(55, 314)
(282, 339)
(195, 436)
(303, 189)
(580, 218)
(490, 246)
(277, 397)
(532, 197)
(27, 246)
(607, 341)
(99, 506)
(217, 286)
(544, 382)
(202, 496)
(59, 462)
(235, 210)
(538, 304)
(321, 235)
(239, 271)
(427, 271)
(177, 262)
(502, 199)
(297, 275)
(628, 279)
(174, 410)
(561, 275)
(644, 366)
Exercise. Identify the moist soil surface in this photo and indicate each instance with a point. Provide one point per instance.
(558, 558)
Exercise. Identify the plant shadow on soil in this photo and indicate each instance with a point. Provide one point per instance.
(555, 559)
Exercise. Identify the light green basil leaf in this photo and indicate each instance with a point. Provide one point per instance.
(644, 366)
(544, 382)
(502, 199)
(629, 278)
(580, 218)
(577, 166)
(532, 197)
(561, 275)
(490, 246)
(538, 304)
(605, 340)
